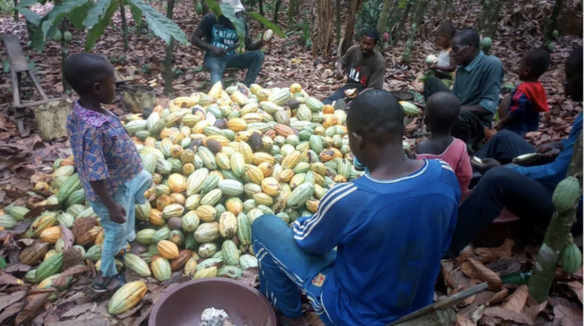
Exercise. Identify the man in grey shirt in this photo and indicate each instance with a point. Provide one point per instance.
(363, 65)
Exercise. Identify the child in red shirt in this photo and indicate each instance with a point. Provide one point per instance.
(519, 113)
(442, 110)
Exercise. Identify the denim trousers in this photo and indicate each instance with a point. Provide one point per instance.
(252, 61)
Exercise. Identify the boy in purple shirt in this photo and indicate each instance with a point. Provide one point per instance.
(107, 160)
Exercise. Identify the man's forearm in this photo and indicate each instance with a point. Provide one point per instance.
(100, 189)
(475, 108)
(198, 42)
(340, 67)
(504, 122)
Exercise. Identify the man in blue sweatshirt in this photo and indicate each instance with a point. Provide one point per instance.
(389, 227)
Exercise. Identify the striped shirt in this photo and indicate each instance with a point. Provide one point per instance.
(390, 236)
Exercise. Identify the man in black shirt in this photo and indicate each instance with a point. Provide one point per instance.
(221, 41)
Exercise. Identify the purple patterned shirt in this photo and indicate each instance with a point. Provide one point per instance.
(103, 150)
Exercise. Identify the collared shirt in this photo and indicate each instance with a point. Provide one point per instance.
(480, 82)
(102, 149)
(551, 174)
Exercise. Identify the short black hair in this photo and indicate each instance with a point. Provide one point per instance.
(447, 29)
(468, 36)
(442, 110)
(372, 32)
(538, 61)
(376, 115)
(82, 71)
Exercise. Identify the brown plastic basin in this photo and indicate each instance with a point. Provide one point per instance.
(184, 304)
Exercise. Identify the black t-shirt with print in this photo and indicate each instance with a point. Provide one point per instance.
(220, 32)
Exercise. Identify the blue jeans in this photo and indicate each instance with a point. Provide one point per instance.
(117, 235)
(285, 268)
(252, 61)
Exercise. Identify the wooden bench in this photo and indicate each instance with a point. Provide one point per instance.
(441, 312)
(18, 66)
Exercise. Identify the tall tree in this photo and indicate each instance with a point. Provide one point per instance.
(124, 26)
(404, 19)
(338, 20)
(323, 36)
(292, 13)
(169, 51)
(384, 17)
(416, 21)
(493, 18)
(276, 9)
(350, 29)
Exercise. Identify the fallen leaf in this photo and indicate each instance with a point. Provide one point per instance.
(11, 311)
(71, 257)
(498, 312)
(82, 225)
(486, 275)
(576, 288)
(9, 280)
(533, 311)
(568, 316)
(78, 310)
(67, 236)
(499, 296)
(9, 299)
(18, 268)
(35, 301)
(250, 277)
(461, 321)
(517, 300)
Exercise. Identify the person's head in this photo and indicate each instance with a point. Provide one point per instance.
(465, 46)
(444, 34)
(533, 64)
(442, 110)
(573, 84)
(374, 122)
(369, 40)
(91, 76)
(235, 4)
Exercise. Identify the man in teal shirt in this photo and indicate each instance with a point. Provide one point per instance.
(477, 85)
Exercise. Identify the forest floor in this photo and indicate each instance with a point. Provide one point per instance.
(289, 60)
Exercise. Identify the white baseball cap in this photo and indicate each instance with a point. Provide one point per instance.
(235, 4)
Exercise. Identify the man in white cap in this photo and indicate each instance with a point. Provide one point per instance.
(221, 41)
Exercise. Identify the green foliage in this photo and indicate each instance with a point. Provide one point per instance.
(6, 7)
(95, 16)
(239, 25)
(268, 24)
(368, 15)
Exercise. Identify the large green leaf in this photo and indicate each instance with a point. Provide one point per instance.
(136, 15)
(97, 30)
(23, 7)
(96, 13)
(237, 22)
(159, 24)
(78, 15)
(58, 12)
(264, 21)
(214, 6)
(38, 37)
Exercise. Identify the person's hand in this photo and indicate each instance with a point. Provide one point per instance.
(117, 214)
(434, 67)
(488, 163)
(548, 150)
(218, 52)
(339, 74)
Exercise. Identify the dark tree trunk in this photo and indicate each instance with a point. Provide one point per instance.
(276, 9)
(169, 50)
(338, 20)
(261, 4)
(416, 21)
(493, 19)
(124, 26)
(350, 29)
(292, 13)
(403, 21)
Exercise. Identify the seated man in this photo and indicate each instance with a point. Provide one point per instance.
(524, 191)
(363, 65)
(388, 246)
(477, 85)
(221, 43)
